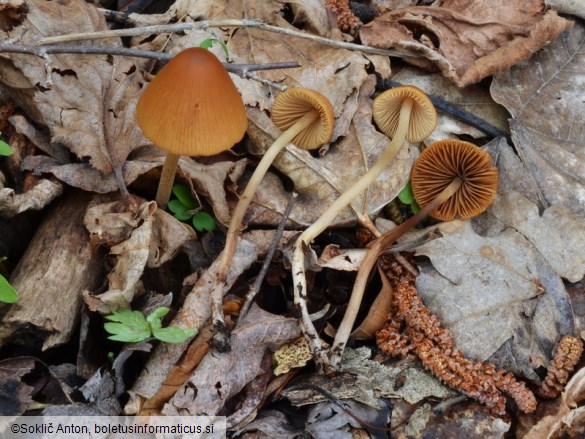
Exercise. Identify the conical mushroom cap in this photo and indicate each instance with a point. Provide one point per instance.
(440, 164)
(294, 103)
(192, 106)
(423, 116)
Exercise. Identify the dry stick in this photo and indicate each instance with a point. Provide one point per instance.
(246, 23)
(242, 70)
(376, 248)
(255, 288)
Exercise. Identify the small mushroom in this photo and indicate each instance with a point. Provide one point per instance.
(191, 107)
(307, 119)
(451, 179)
(401, 113)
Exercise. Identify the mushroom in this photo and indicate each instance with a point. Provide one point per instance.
(451, 179)
(401, 113)
(307, 119)
(191, 107)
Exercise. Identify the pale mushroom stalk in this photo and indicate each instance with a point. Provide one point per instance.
(298, 265)
(375, 250)
(167, 178)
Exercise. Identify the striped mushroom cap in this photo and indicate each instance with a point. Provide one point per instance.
(442, 162)
(423, 116)
(294, 103)
(192, 106)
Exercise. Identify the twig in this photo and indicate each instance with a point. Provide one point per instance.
(206, 24)
(43, 51)
(255, 288)
(455, 111)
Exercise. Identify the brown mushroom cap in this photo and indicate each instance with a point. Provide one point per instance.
(440, 164)
(192, 106)
(423, 116)
(294, 103)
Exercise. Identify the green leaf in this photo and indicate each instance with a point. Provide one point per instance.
(154, 319)
(406, 195)
(5, 148)
(7, 292)
(183, 194)
(209, 42)
(131, 326)
(127, 334)
(179, 210)
(173, 334)
(415, 207)
(202, 221)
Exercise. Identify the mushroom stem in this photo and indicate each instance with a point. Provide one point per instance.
(166, 180)
(375, 250)
(298, 261)
(245, 199)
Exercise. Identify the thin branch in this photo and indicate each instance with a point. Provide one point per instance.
(206, 24)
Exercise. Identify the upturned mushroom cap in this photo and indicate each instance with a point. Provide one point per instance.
(294, 103)
(423, 117)
(440, 164)
(192, 106)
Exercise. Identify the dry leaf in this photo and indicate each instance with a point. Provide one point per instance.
(556, 234)
(467, 39)
(495, 293)
(573, 7)
(545, 97)
(15, 396)
(222, 375)
(378, 313)
(197, 309)
(36, 198)
(86, 101)
(320, 180)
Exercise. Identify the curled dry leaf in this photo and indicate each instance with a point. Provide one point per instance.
(495, 293)
(468, 39)
(320, 180)
(15, 396)
(545, 97)
(36, 198)
(86, 101)
(222, 375)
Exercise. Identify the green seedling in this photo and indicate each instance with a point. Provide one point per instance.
(5, 148)
(130, 326)
(7, 292)
(407, 197)
(186, 208)
(209, 42)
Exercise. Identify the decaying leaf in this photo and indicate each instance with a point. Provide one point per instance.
(196, 310)
(545, 97)
(15, 396)
(573, 7)
(496, 294)
(36, 198)
(466, 39)
(320, 180)
(86, 101)
(222, 375)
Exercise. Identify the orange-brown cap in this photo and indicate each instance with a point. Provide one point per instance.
(192, 106)
(423, 116)
(294, 103)
(440, 164)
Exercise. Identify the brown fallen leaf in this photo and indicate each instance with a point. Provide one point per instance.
(468, 40)
(36, 198)
(222, 375)
(545, 97)
(15, 396)
(86, 101)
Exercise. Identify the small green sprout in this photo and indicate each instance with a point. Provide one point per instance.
(130, 326)
(5, 148)
(186, 208)
(209, 42)
(407, 197)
